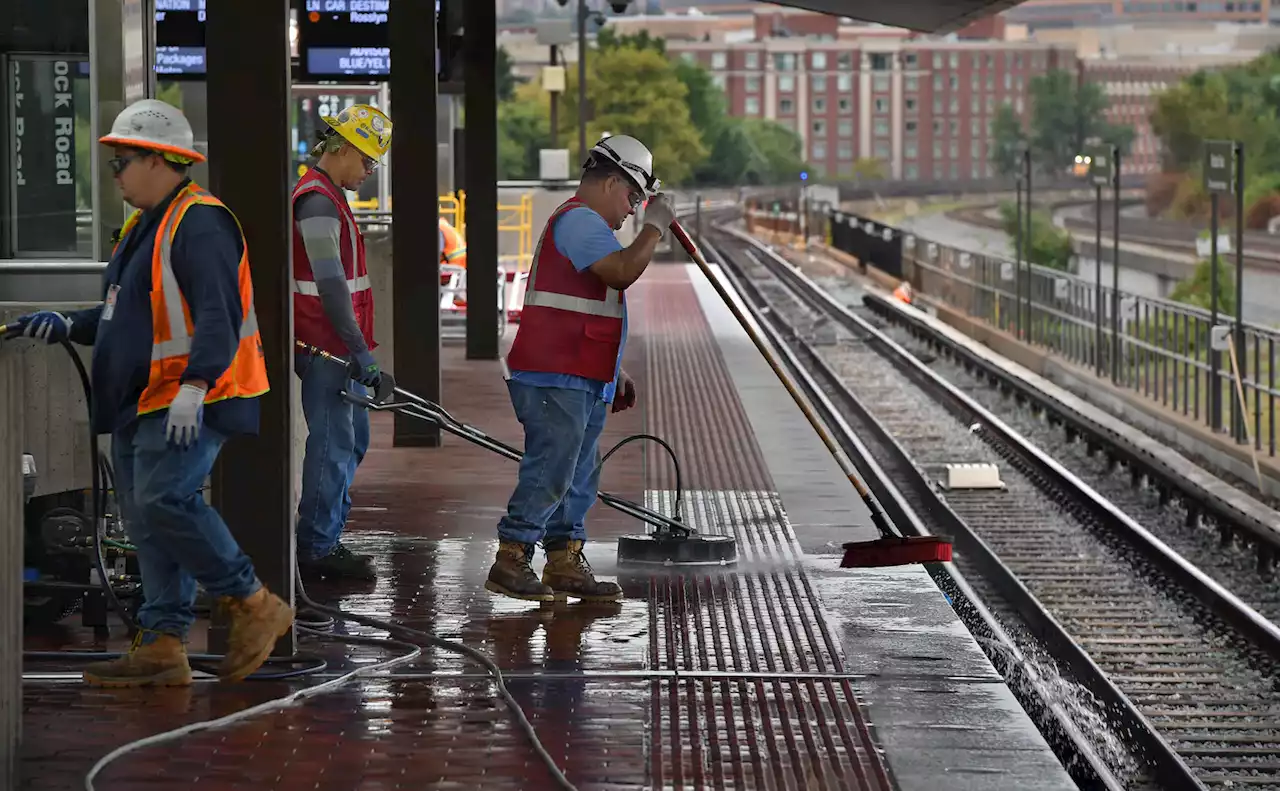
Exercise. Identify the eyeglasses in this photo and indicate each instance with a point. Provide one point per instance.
(118, 164)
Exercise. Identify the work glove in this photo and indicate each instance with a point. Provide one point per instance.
(660, 213)
(49, 326)
(624, 396)
(364, 369)
(186, 414)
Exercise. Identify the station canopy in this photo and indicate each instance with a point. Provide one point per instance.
(925, 16)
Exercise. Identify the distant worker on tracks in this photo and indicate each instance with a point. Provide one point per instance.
(333, 312)
(177, 368)
(565, 369)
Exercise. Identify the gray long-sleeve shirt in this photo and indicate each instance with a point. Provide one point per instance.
(320, 224)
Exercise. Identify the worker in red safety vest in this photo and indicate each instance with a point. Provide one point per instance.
(564, 369)
(333, 312)
(177, 369)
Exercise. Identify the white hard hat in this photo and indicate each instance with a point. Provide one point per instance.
(629, 154)
(156, 126)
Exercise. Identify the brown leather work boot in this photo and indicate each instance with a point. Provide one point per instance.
(160, 663)
(569, 574)
(512, 575)
(257, 621)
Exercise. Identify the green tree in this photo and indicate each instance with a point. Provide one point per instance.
(636, 91)
(1064, 115)
(1048, 245)
(524, 127)
(506, 81)
(1007, 140)
(1196, 289)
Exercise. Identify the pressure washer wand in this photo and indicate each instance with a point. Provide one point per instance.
(892, 548)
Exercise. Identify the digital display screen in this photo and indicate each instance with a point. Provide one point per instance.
(345, 38)
(180, 50)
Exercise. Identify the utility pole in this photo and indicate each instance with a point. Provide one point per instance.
(555, 103)
(582, 79)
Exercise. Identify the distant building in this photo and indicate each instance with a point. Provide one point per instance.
(1045, 14)
(922, 106)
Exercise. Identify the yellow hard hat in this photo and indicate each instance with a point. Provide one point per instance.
(365, 127)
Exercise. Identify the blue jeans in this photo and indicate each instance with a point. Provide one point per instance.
(558, 476)
(337, 440)
(180, 538)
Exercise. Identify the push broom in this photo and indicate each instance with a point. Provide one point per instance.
(891, 549)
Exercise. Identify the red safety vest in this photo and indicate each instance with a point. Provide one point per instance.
(310, 324)
(171, 325)
(572, 321)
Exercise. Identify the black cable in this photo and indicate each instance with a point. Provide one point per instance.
(675, 462)
(98, 496)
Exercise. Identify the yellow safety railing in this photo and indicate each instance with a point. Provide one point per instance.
(516, 218)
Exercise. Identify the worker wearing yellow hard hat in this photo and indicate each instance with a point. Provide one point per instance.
(333, 312)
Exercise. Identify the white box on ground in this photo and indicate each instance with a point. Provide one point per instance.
(553, 164)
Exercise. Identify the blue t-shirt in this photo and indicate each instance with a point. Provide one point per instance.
(582, 236)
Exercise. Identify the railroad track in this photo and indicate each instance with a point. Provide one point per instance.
(1261, 251)
(1184, 671)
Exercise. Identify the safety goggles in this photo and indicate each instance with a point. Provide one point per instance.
(118, 164)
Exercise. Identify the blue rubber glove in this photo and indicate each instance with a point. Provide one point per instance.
(49, 326)
(186, 415)
(364, 369)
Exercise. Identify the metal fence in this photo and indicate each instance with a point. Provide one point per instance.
(1155, 347)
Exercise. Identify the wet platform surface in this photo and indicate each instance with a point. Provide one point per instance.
(727, 681)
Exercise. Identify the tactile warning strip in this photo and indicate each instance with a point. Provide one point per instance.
(785, 715)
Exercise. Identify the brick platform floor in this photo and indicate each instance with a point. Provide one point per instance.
(724, 681)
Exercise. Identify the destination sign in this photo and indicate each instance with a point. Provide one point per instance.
(180, 47)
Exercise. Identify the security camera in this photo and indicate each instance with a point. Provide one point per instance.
(619, 6)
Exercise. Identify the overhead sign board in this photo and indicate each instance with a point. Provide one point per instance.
(180, 48)
(1102, 165)
(340, 39)
(1220, 166)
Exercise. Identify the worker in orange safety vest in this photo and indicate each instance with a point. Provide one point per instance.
(178, 367)
(903, 292)
(453, 248)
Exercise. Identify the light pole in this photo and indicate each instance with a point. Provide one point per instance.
(582, 79)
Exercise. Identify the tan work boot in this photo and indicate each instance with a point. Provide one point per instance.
(161, 663)
(568, 574)
(257, 621)
(512, 575)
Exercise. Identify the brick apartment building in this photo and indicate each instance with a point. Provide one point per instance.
(922, 106)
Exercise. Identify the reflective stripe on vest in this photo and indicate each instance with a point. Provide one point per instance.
(355, 284)
(179, 338)
(310, 289)
(610, 307)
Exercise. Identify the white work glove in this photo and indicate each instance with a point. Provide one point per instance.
(186, 413)
(660, 213)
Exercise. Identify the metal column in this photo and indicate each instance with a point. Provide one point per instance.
(249, 78)
(415, 271)
(480, 55)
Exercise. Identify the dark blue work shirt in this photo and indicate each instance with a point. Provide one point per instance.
(206, 260)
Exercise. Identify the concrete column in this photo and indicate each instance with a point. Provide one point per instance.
(253, 483)
(11, 528)
(415, 256)
(480, 56)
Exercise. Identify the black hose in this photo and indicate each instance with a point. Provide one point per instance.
(98, 508)
(675, 462)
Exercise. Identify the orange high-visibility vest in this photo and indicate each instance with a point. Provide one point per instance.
(903, 292)
(171, 325)
(454, 250)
